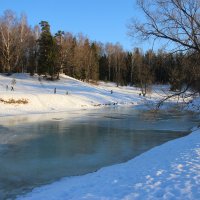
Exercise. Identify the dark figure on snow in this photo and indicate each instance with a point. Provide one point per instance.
(54, 90)
(12, 88)
(6, 87)
(111, 92)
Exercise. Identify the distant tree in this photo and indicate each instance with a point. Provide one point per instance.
(94, 66)
(177, 76)
(126, 71)
(103, 68)
(116, 62)
(70, 45)
(119, 64)
(24, 45)
(192, 71)
(142, 70)
(79, 58)
(48, 51)
(109, 50)
(59, 36)
(161, 66)
(33, 51)
(136, 66)
(128, 61)
(87, 56)
(8, 40)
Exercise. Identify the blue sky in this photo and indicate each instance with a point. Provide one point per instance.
(100, 20)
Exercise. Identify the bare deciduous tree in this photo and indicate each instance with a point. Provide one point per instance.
(24, 35)
(173, 21)
(116, 61)
(109, 48)
(176, 21)
(8, 33)
(14, 42)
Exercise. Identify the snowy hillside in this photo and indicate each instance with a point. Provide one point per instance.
(70, 94)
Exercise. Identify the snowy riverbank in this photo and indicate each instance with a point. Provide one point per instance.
(169, 171)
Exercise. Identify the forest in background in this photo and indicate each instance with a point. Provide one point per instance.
(36, 50)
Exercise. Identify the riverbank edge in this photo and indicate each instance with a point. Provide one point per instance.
(96, 184)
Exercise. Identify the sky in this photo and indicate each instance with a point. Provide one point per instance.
(100, 20)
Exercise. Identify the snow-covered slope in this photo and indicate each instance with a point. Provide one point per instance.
(70, 94)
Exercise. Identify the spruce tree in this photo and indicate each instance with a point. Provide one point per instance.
(47, 51)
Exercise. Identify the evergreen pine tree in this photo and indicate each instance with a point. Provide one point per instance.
(47, 51)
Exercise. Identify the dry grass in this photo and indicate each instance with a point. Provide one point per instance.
(14, 101)
(93, 82)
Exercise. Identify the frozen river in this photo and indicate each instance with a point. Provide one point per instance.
(39, 149)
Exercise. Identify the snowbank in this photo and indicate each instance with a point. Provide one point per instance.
(170, 171)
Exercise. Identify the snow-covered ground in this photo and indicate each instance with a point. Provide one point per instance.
(170, 171)
(70, 94)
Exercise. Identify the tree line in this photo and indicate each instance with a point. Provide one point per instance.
(37, 50)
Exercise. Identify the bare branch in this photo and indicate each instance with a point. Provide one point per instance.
(172, 20)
